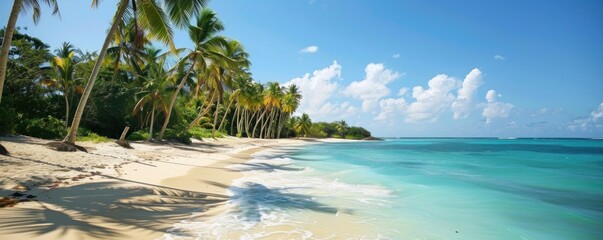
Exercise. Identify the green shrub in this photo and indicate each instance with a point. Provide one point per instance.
(8, 120)
(93, 137)
(177, 135)
(139, 135)
(47, 128)
(200, 133)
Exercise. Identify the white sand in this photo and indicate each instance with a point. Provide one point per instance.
(116, 193)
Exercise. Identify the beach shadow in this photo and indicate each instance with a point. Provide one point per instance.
(254, 198)
(147, 207)
(45, 220)
(266, 167)
(23, 139)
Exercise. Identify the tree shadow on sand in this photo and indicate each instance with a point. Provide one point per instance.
(266, 167)
(252, 198)
(135, 206)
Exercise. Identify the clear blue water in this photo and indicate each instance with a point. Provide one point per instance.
(428, 189)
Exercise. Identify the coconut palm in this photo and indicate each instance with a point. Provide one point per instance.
(303, 125)
(18, 6)
(289, 104)
(205, 39)
(150, 16)
(155, 80)
(236, 65)
(342, 128)
(271, 101)
(64, 66)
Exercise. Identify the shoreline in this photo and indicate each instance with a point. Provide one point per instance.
(116, 193)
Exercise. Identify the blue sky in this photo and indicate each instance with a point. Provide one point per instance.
(408, 68)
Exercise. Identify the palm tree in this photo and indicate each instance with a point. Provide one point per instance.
(236, 65)
(303, 125)
(64, 65)
(204, 37)
(155, 80)
(290, 103)
(271, 102)
(342, 128)
(19, 5)
(151, 16)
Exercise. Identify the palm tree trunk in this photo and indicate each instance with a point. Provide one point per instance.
(71, 136)
(248, 123)
(235, 117)
(274, 123)
(258, 121)
(66, 109)
(216, 114)
(198, 118)
(152, 121)
(173, 101)
(8, 37)
(281, 122)
(268, 123)
(226, 113)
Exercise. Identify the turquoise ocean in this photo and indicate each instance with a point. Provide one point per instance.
(419, 189)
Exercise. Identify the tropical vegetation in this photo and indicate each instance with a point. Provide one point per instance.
(205, 91)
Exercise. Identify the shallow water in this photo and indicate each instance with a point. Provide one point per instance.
(417, 189)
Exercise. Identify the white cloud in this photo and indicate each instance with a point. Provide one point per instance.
(390, 106)
(594, 120)
(316, 89)
(464, 101)
(402, 91)
(397, 55)
(499, 57)
(494, 109)
(373, 87)
(309, 49)
(432, 101)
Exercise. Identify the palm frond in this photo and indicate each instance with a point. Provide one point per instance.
(153, 18)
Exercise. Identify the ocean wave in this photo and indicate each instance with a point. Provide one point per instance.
(276, 197)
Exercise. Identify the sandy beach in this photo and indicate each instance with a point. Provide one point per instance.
(117, 193)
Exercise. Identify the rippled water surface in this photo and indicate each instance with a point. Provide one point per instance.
(418, 189)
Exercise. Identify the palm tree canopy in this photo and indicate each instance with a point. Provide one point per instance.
(35, 6)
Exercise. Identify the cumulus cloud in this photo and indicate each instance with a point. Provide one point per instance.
(594, 120)
(464, 100)
(309, 49)
(432, 101)
(373, 87)
(390, 106)
(397, 55)
(499, 57)
(494, 109)
(317, 88)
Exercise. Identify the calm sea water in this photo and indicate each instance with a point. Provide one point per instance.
(421, 189)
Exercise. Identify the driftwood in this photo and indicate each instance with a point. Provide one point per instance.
(122, 139)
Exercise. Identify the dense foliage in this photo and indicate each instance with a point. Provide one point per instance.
(206, 91)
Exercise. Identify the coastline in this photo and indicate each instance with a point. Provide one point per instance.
(115, 193)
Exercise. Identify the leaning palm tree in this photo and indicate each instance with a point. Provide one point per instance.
(151, 16)
(18, 6)
(205, 39)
